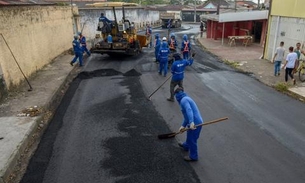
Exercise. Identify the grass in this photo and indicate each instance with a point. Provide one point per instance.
(282, 87)
(231, 63)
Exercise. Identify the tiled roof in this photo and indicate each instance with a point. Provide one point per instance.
(251, 3)
(216, 2)
(170, 8)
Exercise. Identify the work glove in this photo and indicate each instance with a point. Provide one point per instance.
(181, 129)
(192, 126)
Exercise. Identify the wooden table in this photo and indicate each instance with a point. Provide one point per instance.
(246, 40)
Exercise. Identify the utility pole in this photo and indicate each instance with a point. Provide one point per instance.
(218, 6)
(195, 12)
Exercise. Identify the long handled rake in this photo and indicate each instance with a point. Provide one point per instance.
(149, 97)
(173, 134)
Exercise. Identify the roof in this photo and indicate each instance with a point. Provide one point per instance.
(170, 8)
(201, 9)
(250, 3)
(23, 2)
(111, 4)
(216, 2)
(238, 16)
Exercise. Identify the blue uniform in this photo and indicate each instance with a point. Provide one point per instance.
(104, 19)
(82, 40)
(78, 52)
(177, 71)
(163, 58)
(185, 47)
(157, 46)
(178, 67)
(191, 114)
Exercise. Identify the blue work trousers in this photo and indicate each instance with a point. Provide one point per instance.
(185, 55)
(79, 56)
(85, 49)
(163, 66)
(191, 142)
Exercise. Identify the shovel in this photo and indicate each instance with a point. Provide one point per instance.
(173, 134)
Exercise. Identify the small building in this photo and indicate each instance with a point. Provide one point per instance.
(209, 7)
(246, 23)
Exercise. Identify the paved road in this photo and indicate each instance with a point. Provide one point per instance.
(105, 130)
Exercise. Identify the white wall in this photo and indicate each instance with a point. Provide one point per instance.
(289, 30)
(89, 18)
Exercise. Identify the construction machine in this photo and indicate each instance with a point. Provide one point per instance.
(117, 37)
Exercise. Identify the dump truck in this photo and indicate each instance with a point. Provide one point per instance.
(171, 17)
(119, 36)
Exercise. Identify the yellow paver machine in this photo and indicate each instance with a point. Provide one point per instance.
(118, 36)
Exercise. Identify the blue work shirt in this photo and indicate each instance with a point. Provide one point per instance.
(76, 46)
(178, 67)
(104, 19)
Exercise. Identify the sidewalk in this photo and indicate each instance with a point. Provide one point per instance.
(247, 59)
(19, 133)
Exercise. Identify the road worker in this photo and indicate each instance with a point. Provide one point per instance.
(157, 46)
(192, 117)
(78, 52)
(148, 33)
(105, 25)
(185, 47)
(177, 71)
(163, 57)
(82, 40)
(104, 19)
(172, 43)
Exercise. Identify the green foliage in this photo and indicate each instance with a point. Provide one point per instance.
(61, 4)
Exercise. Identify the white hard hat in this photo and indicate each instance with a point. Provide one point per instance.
(164, 39)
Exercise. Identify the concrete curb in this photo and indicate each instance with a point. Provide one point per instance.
(19, 160)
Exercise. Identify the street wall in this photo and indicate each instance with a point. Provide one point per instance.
(89, 18)
(287, 29)
(35, 35)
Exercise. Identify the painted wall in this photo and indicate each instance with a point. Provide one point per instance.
(289, 30)
(288, 8)
(89, 18)
(31, 33)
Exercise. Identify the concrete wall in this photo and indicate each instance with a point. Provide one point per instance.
(89, 18)
(36, 35)
(289, 30)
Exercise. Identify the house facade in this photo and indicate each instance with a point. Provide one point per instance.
(286, 23)
(245, 23)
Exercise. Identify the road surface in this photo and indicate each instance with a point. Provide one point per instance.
(105, 129)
